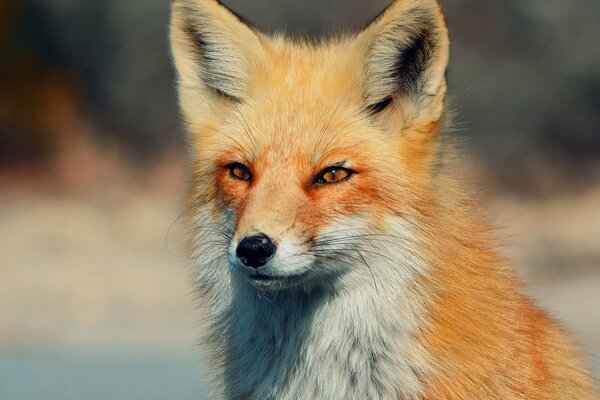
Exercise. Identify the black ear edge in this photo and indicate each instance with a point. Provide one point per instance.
(380, 106)
(225, 96)
(377, 17)
(189, 9)
(240, 18)
(380, 15)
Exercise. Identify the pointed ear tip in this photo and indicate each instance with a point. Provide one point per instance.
(397, 9)
(432, 5)
(193, 4)
(210, 9)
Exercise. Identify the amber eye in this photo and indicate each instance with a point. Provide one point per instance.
(240, 171)
(333, 175)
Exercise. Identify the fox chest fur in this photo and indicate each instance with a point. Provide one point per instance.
(295, 347)
(335, 254)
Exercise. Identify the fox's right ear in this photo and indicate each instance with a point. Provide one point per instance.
(404, 55)
(214, 50)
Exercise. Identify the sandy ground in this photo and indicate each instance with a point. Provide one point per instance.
(95, 271)
(92, 270)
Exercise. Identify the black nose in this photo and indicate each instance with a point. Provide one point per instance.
(255, 251)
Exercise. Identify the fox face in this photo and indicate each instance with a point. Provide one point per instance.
(307, 158)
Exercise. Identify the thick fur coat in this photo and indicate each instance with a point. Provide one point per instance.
(385, 283)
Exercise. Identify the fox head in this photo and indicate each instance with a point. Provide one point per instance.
(308, 158)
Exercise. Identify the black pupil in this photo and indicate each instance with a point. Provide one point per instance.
(331, 175)
(239, 171)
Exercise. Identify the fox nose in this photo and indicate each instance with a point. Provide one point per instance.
(255, 251)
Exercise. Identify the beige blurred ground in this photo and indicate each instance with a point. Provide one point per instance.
(83, 270)
(95, 270)
(555, 244)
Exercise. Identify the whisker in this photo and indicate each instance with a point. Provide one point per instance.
(240, 145)
(371, 271)
(235, 310)
(168, 232)
(247, 129)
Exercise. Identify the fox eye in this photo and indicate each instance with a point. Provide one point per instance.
(333, 175)
(240, 171)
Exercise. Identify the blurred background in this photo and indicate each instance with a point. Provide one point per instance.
(94, 293)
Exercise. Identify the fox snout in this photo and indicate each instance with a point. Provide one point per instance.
(270, 264)
(255, 251)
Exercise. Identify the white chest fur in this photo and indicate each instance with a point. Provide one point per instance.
(319, 346)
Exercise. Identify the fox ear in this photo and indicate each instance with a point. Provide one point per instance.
(214, 50)
(405, 52)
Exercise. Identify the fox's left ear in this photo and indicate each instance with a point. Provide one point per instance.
(215, 52)
(404, 56)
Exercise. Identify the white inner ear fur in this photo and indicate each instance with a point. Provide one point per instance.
(212, 48)
(406, 53)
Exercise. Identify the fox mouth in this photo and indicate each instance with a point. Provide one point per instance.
(274, 282)
(262, 277)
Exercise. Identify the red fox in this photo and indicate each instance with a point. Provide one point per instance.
(335, 255)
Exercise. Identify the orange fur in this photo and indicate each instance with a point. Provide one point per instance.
(302, 109)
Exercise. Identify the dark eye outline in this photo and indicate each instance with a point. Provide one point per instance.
(236, 165)
(320, 177)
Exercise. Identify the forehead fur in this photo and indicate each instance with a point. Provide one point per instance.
(242, 91)
(308, 95)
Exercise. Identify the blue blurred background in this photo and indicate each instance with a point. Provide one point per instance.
(95, 297)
